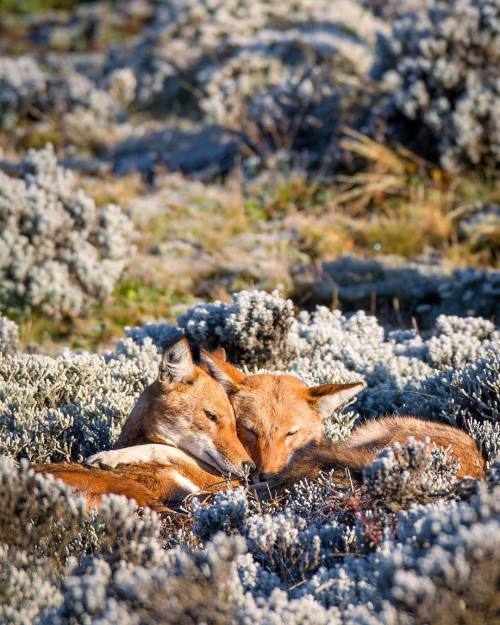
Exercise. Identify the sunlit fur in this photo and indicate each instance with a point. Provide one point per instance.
(179, 438)
(277, 415)
(279, 421)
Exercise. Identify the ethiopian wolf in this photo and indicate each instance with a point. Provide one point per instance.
(179, 439)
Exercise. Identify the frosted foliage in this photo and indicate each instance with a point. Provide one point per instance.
(175, 51)
(441, 549)
(30, 90)
(68, 407)
(21, 83)
(424, 290)
(398, 367)
(253, 328)
(410, 473)
(274, 73)
(9, 335)
(442, 66)
(275, 108)
(227, 514)
(406, 545)
(59, 252)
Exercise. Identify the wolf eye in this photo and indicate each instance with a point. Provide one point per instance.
(292, 432)
(212, 416)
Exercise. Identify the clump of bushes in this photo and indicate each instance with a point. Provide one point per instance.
(30, 90)
(22, 85)
(9, 335)
(442, 68)
(59, 252)
(274, 75)
(422, 289)
(253, 329)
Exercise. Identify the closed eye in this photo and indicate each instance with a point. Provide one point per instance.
(249, 430)
(212, 416)
(292, 432)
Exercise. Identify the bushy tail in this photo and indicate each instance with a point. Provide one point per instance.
(322, 457)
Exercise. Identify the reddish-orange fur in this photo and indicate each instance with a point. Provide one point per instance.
(279, 422)
(149, 484)
(171, 413)
(269, 406)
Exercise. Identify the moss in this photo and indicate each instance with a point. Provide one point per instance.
(25, 7)
(132, 303)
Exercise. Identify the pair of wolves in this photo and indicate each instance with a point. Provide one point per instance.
(199, 426)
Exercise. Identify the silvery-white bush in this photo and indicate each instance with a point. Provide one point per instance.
(22, 85)
(30, 90)
(253, 328)
(66, 408)
(59, 252)
(9, 335)
(441, 66)
(273, 108)
(279, 76)
(444, 549)
(175, 51)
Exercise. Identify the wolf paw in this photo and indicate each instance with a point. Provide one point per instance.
(110, 458)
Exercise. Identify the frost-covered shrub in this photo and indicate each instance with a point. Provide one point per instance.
(46, 519)
(66, 408)
(401, 369)
(196, 587)
(403, 474)
(275, 109)
(185, 39)
(27, 589)
(22, 84)
(468, 397)
(9, 335)
(44, 527)
(278, 75)
(31, 90)
(59, 252)
(253, 328)
(38, 515)
(281, 94)
(436, 549)
(442, 68)
(227, 514)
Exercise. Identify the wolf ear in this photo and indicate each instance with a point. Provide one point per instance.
(328, 398)
(177, 363)
(219, 354)
(226, 374)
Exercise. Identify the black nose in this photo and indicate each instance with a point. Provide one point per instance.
(248, 466)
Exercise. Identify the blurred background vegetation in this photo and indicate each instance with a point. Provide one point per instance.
(250, 146)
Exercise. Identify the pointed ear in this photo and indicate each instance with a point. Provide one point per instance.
(328, 398)
(226, 374)
(177, 363)
(219, 354)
